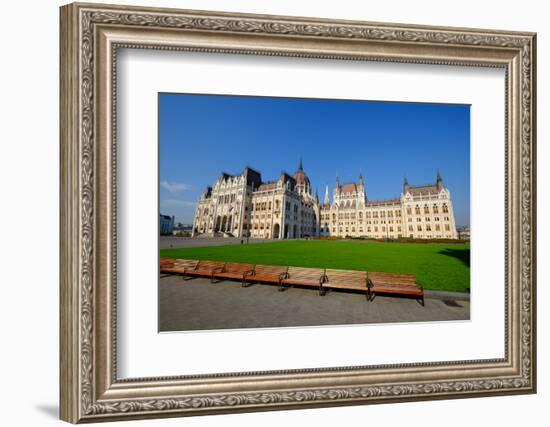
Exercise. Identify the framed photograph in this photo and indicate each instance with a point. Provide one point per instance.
(266, 212)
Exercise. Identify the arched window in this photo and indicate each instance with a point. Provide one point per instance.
(445, 208)
(417, 210)
(435, 209)
(409, 211)
(426, 209)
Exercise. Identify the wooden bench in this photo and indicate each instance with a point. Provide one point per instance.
(166, 262)
(266, 274)
(177, 266)
(205, 268)
(235, 270)
(303, 277)
(345, 279)
(392, 283)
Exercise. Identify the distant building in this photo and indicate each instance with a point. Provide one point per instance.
(243, 205)
(182, 229)
(464, 233)
(421, 212)
(166, 224)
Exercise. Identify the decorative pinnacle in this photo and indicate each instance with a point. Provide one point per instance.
(301, 167)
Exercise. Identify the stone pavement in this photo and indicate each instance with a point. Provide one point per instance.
(198, 304)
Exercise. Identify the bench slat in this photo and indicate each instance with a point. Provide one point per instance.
(304, 276)
(345, 279)
(394, 283)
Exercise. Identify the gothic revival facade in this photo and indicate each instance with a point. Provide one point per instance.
(243, 205)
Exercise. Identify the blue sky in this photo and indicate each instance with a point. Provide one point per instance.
(202, 135)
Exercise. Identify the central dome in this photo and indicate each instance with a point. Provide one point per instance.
(300, 176)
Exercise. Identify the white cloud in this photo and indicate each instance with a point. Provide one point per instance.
(174, 187)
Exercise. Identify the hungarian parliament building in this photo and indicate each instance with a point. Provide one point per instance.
(245, 206)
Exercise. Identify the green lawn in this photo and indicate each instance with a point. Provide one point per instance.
(436, 265)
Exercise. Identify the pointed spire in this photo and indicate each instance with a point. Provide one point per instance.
(327, 197)
(316, 195)
(301, 167)
(406, 181)
(439, 181)
(405, 185)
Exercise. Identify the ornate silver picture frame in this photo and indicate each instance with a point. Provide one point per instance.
(90, 388)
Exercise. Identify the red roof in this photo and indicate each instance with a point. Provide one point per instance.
(267, 186)
(424, 189)
(391, 202)
(348, 188)
(301, 178)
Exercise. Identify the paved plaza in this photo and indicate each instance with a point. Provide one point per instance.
(198, 304)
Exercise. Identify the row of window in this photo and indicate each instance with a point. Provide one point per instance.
(391, 229)
(263, 206)
(426, 209)
(429, 227)
(383, 221)
(227, 198)
(435, 218)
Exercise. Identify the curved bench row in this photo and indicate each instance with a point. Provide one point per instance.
(320, 278)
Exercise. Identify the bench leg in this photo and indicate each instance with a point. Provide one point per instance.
(421, 301)
(244, 284)
(322, 291)
(281, 287)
